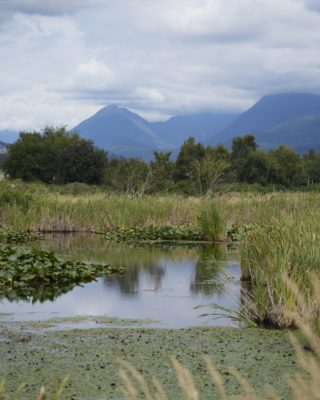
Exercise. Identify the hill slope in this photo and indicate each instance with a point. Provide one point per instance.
(200, 126)
(277, 119)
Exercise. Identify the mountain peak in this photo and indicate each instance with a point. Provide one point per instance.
(110, 109)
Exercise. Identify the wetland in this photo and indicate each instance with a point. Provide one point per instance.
(74, 304)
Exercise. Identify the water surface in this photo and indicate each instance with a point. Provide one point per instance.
(162, 283)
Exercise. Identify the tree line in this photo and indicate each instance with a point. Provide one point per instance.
(55, 156)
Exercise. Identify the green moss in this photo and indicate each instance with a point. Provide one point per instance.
(264, 357)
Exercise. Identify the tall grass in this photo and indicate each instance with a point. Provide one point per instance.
(35, 207)
(77, 207)
(281, 249)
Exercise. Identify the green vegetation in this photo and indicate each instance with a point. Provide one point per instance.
(39, 275)
(272, 253)
(7, 236)
(55, 156)
(211, 223)
(156, 234)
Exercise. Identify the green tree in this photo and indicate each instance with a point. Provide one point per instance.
(81, 162)
(190, 153)
(287, 167)
(127, 175)
(162, 172)
(243, 146)
(311, 164)
(54, 155)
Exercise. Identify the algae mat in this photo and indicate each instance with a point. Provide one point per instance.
(89, 357)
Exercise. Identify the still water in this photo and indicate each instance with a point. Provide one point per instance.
(162, 283)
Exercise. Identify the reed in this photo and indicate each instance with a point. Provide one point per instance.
(272, 253)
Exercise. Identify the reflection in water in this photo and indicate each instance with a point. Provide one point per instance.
(208, 276)
(39, 293)
(128, 283)
(161, 282)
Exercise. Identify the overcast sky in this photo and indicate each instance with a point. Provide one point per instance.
(62, 60)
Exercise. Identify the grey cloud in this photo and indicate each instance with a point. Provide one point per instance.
(46, 7)
(313, 5)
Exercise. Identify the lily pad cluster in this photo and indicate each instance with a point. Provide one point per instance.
(157, 234)
(40, 275)
(8, 236)
(237, 232)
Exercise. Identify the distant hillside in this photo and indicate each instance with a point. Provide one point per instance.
(8, 136)
(124, 133)
(291, 119)
(300, 134)
(200, 126)
(3, 147)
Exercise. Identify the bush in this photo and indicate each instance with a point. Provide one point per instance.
(211, 223)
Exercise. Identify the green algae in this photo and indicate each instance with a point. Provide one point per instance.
(89, 357)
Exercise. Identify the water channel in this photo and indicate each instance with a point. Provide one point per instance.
(162, 283)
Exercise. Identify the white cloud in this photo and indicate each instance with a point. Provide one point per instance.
(216, 20)
(150, 94)
(93, 75)
(61, 61)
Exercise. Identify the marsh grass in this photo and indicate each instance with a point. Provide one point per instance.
(289, 247)
(38, 207)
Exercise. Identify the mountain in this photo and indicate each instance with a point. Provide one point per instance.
(300, 134)
(120, 131)
(200, 126)
(8, 136)
(291, 118)
(3, 148)
(127, 134)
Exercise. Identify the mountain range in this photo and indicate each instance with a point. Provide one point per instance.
(292, 119)
(125, 133)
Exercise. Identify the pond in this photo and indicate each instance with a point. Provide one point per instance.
(162, 284)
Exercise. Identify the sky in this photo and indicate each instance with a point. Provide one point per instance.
(63, 60)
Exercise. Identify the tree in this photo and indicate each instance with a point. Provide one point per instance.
(127, 175)
(81, 162)
(243, 146)
(311, 163)
(190, 153)
(162, 172)
(54, 155)
(241, 156)
(287, 166)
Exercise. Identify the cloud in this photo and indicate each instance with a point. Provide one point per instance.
(47, 7)
(210, 20)
(313, 5)
(61, 61)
